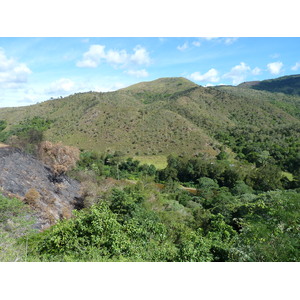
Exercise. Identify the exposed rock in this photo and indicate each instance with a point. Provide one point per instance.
(52, 197)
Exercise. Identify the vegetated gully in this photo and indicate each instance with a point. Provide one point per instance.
(161, 186)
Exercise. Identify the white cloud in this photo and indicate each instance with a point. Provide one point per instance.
(12, 73)
(229, 41)
(296, 66)
(116, 57)
(62, 86)
(140, 56)
(196, 43)
(183, 47)
(92, 58)
(275, 67)
(238, 73)
(209, 76)
(137, 73)
(256, 71)
(97, 54)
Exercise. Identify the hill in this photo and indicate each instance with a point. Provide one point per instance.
(163, 85)
(287, 84)
(167, 115)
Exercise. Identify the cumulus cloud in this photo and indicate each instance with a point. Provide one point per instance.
(62, 86)
(137, 73)
(116, 57)
(97, 54)
(140, 56)
(256, 71)
(92, 58)
(275, 67)
(183, 47)
(238, 73)
(12, 73)
(209, 76)
(296, 66)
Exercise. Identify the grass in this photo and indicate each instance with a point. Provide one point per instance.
(161, 117)
(159, 161)
(288, 175)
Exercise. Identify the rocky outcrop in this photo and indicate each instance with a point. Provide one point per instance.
(52, 197)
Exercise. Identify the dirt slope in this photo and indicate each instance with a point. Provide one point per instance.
(23, 176)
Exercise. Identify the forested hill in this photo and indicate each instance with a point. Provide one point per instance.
(237, 148)
(287, 84)
(167, 115)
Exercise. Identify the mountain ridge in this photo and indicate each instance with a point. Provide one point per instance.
(285, 84)
(160, 117)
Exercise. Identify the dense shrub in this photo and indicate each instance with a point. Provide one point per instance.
(58, 157)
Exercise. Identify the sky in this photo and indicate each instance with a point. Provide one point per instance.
(36, 69)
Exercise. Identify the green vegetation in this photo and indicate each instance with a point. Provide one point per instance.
(16, 220)
(26, 135)
(129, 225)
(159, 161)
(114, 165)
(158, 118)
(232, 217)
(236, 148)
(286, 84)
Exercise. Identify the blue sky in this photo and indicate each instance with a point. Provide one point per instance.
(35, 69)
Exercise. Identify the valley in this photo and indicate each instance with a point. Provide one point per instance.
(165, 170)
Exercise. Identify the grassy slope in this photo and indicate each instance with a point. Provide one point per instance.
(286, 84)
(168, 115)
(285, 102)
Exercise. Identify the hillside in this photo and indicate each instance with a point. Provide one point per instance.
(168, 115)
(163, 85)
(24, 177)
(287, 84)
(236, 153)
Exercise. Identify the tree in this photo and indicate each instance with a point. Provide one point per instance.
(266, 178)
(27, 134)
(58, 157)
(3, 124)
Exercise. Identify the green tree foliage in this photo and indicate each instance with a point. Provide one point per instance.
(3, 135)
(96, 228)
(114, 165)
(270, 228)
(138, 224)
(265, 146)
(266, 178)
(28, 134)
(3, 124)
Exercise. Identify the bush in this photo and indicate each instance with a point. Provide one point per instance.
(16, 220)
(58, 157)
(32, 197)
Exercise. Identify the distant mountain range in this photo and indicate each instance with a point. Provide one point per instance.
(167, 115)
(286, 84)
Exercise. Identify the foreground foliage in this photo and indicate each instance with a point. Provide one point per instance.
(16, 222)
(138, 223)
